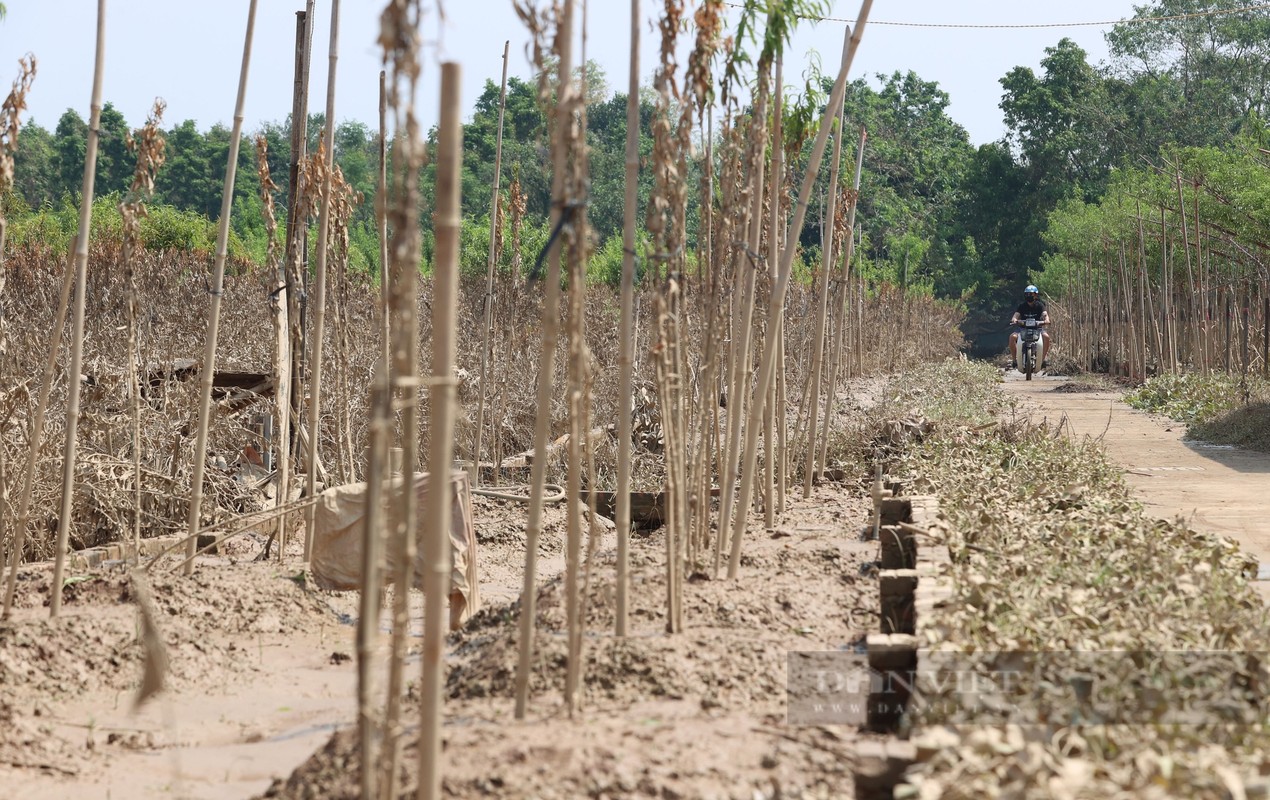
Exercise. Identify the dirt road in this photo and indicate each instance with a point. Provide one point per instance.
(1216, 489)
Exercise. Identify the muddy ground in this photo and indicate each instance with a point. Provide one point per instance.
(261, 676)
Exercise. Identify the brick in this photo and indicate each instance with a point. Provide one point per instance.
(892, 651)
(895, 510)
(899, 548)
(897, 581)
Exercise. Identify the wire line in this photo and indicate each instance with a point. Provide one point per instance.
(1015, 26)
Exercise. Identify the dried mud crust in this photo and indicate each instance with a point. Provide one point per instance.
(210, 622)
(697, 714)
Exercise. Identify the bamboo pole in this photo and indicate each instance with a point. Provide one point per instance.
(626, 356)
(550, 333)
(739, 369)
(488, 317)
(77, 337)
(402, 56)
(281, 300)
(213, 314)
(441, 401)
(296, 253)
(777, 300)
(377, 469)
(774, 210)
(844, 312)
(11, 112)
(319, 293)
(822, 311)
(37, 437)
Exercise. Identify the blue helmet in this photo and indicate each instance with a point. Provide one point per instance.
(1031, 290)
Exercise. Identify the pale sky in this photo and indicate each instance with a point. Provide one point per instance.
(189, 52)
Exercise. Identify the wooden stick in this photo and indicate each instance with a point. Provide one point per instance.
(381, 213)
(822, 310)
(37, 437)
(401, 54)
(546, 372)
(776, 187)
(218, 284)
(845, 309)
(488, 317)
(739, 371)
(626, 357)
(319, 294)
(777, 300)
(77, 336)
(296, 253)
(369, 609)
(436, 522)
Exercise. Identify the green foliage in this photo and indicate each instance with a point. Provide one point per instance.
(163, 228)
(1192, 397)
(912, 197)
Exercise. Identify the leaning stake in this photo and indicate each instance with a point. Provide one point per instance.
(777, 301)
(213, 314)
(319, 294)
(488, 324)
(822, 308)
(550, 332)
(77, 340)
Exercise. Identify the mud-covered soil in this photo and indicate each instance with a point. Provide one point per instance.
(261, 674)
(696, 714)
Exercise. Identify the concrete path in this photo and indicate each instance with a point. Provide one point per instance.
(1216, 489)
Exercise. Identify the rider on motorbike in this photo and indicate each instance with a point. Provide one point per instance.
(1030, 308)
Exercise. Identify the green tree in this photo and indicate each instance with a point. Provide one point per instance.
(1201, 77)
(34, 172)
(186, 180)
(915, 163)
(115, 164)
(1059, 122)
(70, 145)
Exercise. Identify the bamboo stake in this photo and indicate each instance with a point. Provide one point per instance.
(436, 531)
(822, 310)
(77, 341)
(149, 149)
(10, 124)
(574, 127)
(739, 370)
(377, 469)
(550, 333)
(381, 222)
(36, 437)
(401, 53)
(626, 357)
(488, 317)
(775, 207)
(280, 301)
(848, 253)
(289, 354)
(319, 295)
(213, 314)
(777, 301)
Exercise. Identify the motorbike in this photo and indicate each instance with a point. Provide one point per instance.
(1027, 347)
